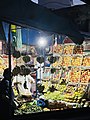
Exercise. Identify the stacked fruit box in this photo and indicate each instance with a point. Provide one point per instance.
(74, 67)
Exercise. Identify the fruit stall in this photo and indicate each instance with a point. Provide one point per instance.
(66, 75)
(69, 81)
(65, 81)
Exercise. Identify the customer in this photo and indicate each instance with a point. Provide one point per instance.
(5, 98)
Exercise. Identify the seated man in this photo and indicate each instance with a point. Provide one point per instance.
(24, 84)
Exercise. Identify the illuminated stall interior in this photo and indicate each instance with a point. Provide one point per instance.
(60, 70)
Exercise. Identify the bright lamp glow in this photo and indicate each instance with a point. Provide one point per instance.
(42, 42)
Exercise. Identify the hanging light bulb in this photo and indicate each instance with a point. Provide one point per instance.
(42, 42)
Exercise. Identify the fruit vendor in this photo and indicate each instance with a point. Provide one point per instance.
(24, 84)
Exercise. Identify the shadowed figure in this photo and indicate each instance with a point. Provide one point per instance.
(6, 108)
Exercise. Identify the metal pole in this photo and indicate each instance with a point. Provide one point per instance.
(9, 59)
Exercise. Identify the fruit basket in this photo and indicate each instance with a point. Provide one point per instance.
(76, 61)
(70, 89)
(68, 49)
(58, 49)
(58, 62)
(86, 60)
(75, 75)
(85, 75)
(66, 60)
(78, 49)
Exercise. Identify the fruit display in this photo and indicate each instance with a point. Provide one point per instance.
(58, 62)
(3, 63)
(61, 88)
(75, 75)
(58, 49)
(85, 75)
(70, 89)
(46, 85)
(55, 64)
(80, 91)
(76, 61)
(78, 49)
(68, 49)
(86, 60)
(56, 95)
(74, 72)
(69, 93)
(27, 108)
(66, 61)
(64, 80)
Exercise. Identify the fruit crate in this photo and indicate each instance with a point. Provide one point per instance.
(75, 75)
(70, 89)
(66, 60)
(58, 49)
(78, 49)
(85, 75)
(86, 60)
(76, 60)
(71, 59)
(58, 63)
(68, 49)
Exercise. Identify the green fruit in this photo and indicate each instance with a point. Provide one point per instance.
(16, 54)
(52, 59)
(40, 59)
(26, 59)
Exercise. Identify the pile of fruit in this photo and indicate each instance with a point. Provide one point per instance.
(86, 61)
(76, 61)
(85, 76)
(78, 50)
(58, 49)
(56, 95)
(75, 75)
(60, 61)
(69, 93)
(68, 49)
(66, 61)
(27, 108)
(3, 64)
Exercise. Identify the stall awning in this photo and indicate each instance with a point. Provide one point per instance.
(29, 14)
